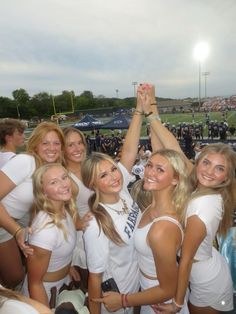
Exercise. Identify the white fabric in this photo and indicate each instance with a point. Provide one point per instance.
(145, 256)
(4, 157)
(79, 256)
(47, 286)
(148, 283)
(19, 201)
(76, 297)
(19, 170)
(104, 256)
(210, 279)
(146, 261)
(209, 208)
(17, 307)
(51, 238)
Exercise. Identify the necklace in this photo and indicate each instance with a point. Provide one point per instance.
(124, 210)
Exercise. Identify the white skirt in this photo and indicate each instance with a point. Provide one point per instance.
(211, 283)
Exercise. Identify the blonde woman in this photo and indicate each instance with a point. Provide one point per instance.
(53, 232)
(16, 195)
(109, 238)
(209, 211)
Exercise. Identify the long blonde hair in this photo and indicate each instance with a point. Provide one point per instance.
(38, 135)
(89, 174)
(227, 189)
(142, 197)
(181, 192)
(42, 203)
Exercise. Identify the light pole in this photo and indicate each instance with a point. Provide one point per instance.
(134, 84)
(205, 74)
(201, 52)
(117, 93)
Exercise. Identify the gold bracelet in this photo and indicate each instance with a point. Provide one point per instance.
(17, 231)
(138, 111)
(154, 103)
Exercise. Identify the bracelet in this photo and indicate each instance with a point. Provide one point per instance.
(17, 231)
(122, 300)
(179, 306)
(154, 117)
(126, 302)
(138, 111)
(154, 103)
(146, 114)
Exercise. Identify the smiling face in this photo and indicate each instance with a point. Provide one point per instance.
(212, 170)
(75, 150)
(109, 181)
(158, 174)
(49, 149)
(57, 185)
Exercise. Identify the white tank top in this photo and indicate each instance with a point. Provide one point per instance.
(145, 256)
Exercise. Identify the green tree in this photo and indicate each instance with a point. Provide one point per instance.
(7, 108)
(21, 98)
(41, 105)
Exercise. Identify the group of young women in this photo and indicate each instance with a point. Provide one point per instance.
(122, 248)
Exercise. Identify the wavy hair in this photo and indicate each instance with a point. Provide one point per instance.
(89, 174)
(42, 203)
(181, 191)
(142, 197)
(227, 189)
(38, 135)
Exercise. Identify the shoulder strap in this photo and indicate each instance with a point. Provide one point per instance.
(173, 220)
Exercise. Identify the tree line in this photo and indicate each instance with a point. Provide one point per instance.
(43, 105)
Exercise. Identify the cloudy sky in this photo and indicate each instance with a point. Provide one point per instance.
(106, 45)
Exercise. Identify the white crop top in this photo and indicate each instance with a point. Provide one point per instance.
(51, 238)
(145, 256)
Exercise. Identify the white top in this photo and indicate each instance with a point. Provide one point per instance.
(145, 257)
(209, 208)
(104, 256)
(4, 157)
(83, 196)
(50, 237)
(19, 170)
(15, 306)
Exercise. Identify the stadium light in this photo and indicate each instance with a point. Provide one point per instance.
(201, 52)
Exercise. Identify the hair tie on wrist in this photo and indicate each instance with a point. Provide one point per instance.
(17, 231)
(154, 117)
(179, 306)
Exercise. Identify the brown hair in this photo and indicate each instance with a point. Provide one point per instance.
(89, 173)
(8, 127)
